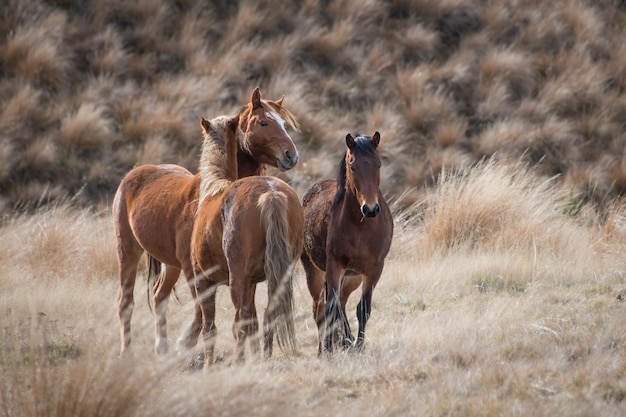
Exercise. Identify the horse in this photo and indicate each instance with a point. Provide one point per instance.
(246, 231)
(155, 205)
(348, 228)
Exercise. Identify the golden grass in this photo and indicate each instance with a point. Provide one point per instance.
(498, 297)
(504, 290)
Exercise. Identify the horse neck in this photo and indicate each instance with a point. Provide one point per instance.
(217, 173)
(247, 166)
(345, 201)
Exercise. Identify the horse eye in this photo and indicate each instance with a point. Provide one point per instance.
(351, 167)
(263, 123)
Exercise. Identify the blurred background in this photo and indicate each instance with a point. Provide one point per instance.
(90, 89)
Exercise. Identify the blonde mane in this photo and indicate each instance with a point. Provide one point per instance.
(214, 168)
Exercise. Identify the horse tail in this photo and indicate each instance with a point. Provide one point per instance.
(155, 278)
(279, 264)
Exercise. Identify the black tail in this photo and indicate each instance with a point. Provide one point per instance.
(155, 277)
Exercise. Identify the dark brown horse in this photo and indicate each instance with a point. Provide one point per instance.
(155, 205)
(347, 233)
(246, 231)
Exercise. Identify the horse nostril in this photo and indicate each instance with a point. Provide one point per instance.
(291, 158)
(370, 212)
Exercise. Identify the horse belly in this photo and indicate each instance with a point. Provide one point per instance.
(153, 233)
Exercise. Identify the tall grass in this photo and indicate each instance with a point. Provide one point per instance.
(501, 295)
(502, 141)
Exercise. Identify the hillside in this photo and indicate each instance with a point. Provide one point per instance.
(89, 89)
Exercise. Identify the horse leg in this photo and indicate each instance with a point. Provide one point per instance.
(161, 296)
(315, 283)
(128, 253)
(254, 323)
(240, 296)
(363, 311)
(205, 291)
(348, 285)
(189, 338)
(364, 308)
(335, 319)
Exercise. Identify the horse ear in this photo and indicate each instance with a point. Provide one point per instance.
(233, 122)
(376, 139)
(256, 98)
(279, 102)
(350, 141)
(206, 125)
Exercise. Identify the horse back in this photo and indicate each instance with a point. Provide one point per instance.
(317, 204)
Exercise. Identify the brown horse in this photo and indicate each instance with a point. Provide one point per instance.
(246, 231)
(347, 233)
(155, 205)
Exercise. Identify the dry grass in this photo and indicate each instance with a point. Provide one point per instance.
(500, 296)
(503, 144)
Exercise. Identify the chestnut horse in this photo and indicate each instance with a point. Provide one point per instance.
(246, 231)
(155, 205)
(347, 233)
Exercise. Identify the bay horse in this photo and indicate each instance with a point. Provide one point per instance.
(155, 206)
(348, 229)
(246, 231)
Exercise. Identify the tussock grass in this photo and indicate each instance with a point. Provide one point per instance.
(501, 295)
(502, 142)
(447, 80)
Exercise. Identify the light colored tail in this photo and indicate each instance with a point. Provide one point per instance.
(280, 261)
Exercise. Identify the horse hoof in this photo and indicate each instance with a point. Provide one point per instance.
(348, 342)
(359, 346)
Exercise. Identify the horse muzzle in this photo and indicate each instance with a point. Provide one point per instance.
(370, 211)
(287, 160)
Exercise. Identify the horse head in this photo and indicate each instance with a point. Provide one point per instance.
(363, 171)
(265, 138)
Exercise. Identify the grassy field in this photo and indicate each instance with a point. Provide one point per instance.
(502, 126)
(495, 300)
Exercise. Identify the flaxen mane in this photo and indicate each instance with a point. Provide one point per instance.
(213, 167)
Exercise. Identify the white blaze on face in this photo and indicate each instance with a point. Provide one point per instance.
(276, 117)
(281, 122)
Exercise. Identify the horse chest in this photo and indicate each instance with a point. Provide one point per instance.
(352, 244)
